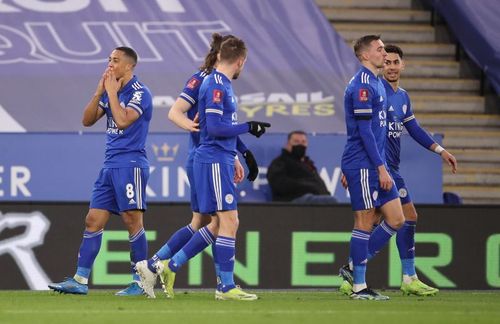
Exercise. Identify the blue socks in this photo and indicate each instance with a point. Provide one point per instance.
(405, 240)
(359, 255)
(216, 264)
(195, 245)
(138, 250)
(225, 252)
(89, 248)
(173, 245)
(379, 238)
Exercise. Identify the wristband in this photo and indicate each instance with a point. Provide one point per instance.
(438, 149)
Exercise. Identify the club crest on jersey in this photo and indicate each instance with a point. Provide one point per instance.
(217, 96)
(403, 193)
(405, 108)
(363, 94)
(229, 198)
(193, 83)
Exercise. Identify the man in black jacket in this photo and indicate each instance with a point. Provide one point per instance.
(293, 176)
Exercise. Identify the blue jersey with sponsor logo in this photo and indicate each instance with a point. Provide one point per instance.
(127, 147)
(190, 94)
(216, 97)
(399, 112)
(364, 98)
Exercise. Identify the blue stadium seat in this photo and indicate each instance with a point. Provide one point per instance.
(452, 198)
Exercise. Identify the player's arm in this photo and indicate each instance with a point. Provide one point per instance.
(92, 112)
(177, 114)
(423, 138)
(363, 115)
(214, 112)
(122, 117)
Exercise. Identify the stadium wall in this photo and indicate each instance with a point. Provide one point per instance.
(279, 246)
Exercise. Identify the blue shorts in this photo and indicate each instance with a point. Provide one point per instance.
(404, 194)
(120, 189)
(215, 187)
(364, 189)
(192, 187)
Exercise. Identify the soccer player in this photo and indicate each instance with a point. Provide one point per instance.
(214, 163)
(121, 185)
(399, 115)
(199, 230)
(363, 164)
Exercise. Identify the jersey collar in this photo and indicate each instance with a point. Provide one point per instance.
(224, 77)
(365, 69)
(127, 86)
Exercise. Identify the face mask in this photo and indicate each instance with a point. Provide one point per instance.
(299, 151)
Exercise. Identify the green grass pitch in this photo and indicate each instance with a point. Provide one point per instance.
(307, 306)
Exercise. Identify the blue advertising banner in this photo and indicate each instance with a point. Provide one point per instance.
(54, 52)
(63, 167)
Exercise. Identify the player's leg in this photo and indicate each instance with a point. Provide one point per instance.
(206, 204)
(405, 240)
(102, 201)
(363, 189)
(390, 207)
(130, 194)
(184, 234)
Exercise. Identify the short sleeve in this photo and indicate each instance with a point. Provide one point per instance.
(140, 101)
(192, 89)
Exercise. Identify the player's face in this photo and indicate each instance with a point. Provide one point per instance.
(119, 63)
(392, 67)
(376, 54)
(241, 63)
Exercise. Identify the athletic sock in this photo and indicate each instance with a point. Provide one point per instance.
(358, 255)
(89, 248)
(172, 246)
(379, 238)
(405, 240)
(195, 245)
(225, 258)
(138, 250)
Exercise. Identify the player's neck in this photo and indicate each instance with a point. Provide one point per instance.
(126, 78)
(394, 84)
(227, 70)
(373, 69)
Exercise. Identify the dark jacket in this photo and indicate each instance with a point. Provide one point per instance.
(290, 178)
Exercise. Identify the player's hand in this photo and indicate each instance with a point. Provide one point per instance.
(253, 168)
(239, 172)
(257, 128)
(343, 180)
(111, 84)
(196, 118)
(384, 178)
(100, 86)
(450, 159)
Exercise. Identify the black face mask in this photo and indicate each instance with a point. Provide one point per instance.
(298, 151)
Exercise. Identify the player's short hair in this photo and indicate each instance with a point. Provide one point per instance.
(232, 49)
(391, 48)
(363, 43)
(211, 57)
(300, 132)
(129, 52)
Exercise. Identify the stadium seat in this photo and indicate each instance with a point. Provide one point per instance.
(451, 198)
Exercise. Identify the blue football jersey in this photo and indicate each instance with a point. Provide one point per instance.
(364, 97)
(190, 94)
(127, 147)
(216, 97)
(399, 112)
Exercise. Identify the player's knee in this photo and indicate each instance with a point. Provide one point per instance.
(94, 222)
(396, 223)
